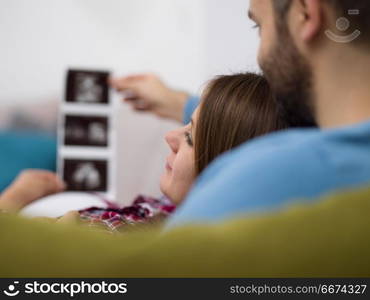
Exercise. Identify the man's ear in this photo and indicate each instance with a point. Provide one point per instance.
(311, 18)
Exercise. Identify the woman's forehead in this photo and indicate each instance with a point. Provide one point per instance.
(195, 114)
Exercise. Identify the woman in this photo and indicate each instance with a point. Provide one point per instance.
(234, 109)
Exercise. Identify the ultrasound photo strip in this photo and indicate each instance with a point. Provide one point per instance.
(86, 131)
(86, 175)
(87, 87)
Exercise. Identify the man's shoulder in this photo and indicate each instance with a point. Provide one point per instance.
(285, 144)
(273, 158)
(275, 170)
(304, 147)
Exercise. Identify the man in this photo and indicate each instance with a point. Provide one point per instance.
(310, 72)
(318, 69)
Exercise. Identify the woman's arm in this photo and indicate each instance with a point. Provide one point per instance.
(28, 187)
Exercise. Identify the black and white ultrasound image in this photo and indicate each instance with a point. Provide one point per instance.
(87, 87)
(86, 131)
(86, 175)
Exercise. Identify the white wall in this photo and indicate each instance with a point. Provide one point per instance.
(185, 41)
(230, 43)
(41, 38)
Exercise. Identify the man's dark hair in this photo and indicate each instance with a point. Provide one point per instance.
(360, 22)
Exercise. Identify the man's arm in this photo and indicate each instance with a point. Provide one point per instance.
(147, 92)
(191, 104)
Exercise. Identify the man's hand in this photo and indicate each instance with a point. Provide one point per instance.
(147, 92)
(29, 186)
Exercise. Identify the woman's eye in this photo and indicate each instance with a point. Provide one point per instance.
(189, 139)
(257, 26)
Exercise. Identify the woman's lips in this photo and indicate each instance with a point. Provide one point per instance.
(168, 166)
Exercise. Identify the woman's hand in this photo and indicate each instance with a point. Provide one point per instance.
(71, 217)
(29, 186)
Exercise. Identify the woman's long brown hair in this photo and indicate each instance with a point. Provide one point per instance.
(234, 109)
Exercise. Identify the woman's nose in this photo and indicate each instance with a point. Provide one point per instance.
(172, 139)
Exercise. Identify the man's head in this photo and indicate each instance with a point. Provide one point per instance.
(293, 34)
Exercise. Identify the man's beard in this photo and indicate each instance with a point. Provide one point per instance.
(290, 78)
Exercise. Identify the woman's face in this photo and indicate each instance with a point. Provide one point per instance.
(179, 172)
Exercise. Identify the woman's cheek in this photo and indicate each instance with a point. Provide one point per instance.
(183, 167)
(184, 172)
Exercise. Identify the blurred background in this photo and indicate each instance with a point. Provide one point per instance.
(186, 42)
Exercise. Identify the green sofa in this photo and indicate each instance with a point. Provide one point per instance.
(329, 238)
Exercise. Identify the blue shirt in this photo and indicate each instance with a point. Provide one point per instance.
(273, 171)
(190, 106)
